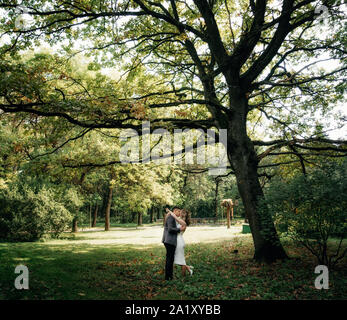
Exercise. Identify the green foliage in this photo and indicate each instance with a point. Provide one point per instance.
(198, 195)
(30, 209)
(313, 208)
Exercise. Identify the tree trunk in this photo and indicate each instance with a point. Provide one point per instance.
(139, 218)
(244, 162)
(228, 217)
(151, 214)
(95, 216)
(108, 209)
(154, 212)
(74, 225)
(216, 199)
(267, 245)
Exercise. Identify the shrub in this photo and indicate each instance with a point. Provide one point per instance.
(311, 209)
(27, 212)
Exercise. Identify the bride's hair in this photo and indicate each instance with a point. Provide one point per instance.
(187, 216)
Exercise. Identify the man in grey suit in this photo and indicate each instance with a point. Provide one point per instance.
(170, 241)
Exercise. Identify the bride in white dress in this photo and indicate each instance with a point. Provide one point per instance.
(182, 220)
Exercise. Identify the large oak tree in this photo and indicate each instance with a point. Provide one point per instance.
(216, 63)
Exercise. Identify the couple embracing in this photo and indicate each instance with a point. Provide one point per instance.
(176, 222)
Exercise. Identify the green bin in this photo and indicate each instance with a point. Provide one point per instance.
(246, 228)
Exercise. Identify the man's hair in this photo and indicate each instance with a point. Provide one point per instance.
(176, 208)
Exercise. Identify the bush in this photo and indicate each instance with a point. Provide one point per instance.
(28, 212)
(17, 220)
(311, 209)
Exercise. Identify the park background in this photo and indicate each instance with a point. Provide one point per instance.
(75, 74)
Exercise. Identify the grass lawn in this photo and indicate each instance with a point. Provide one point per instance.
(75, 269)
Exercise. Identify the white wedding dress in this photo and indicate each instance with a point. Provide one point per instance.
(179, 253)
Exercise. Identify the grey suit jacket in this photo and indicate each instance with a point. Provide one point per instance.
(170, 231)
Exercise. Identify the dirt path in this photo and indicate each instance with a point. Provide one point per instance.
(152, 235)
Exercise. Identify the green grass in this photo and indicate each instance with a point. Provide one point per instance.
(65, 270)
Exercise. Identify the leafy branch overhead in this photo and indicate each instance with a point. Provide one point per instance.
(197, 52)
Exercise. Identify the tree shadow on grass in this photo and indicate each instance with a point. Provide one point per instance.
(122, 271)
